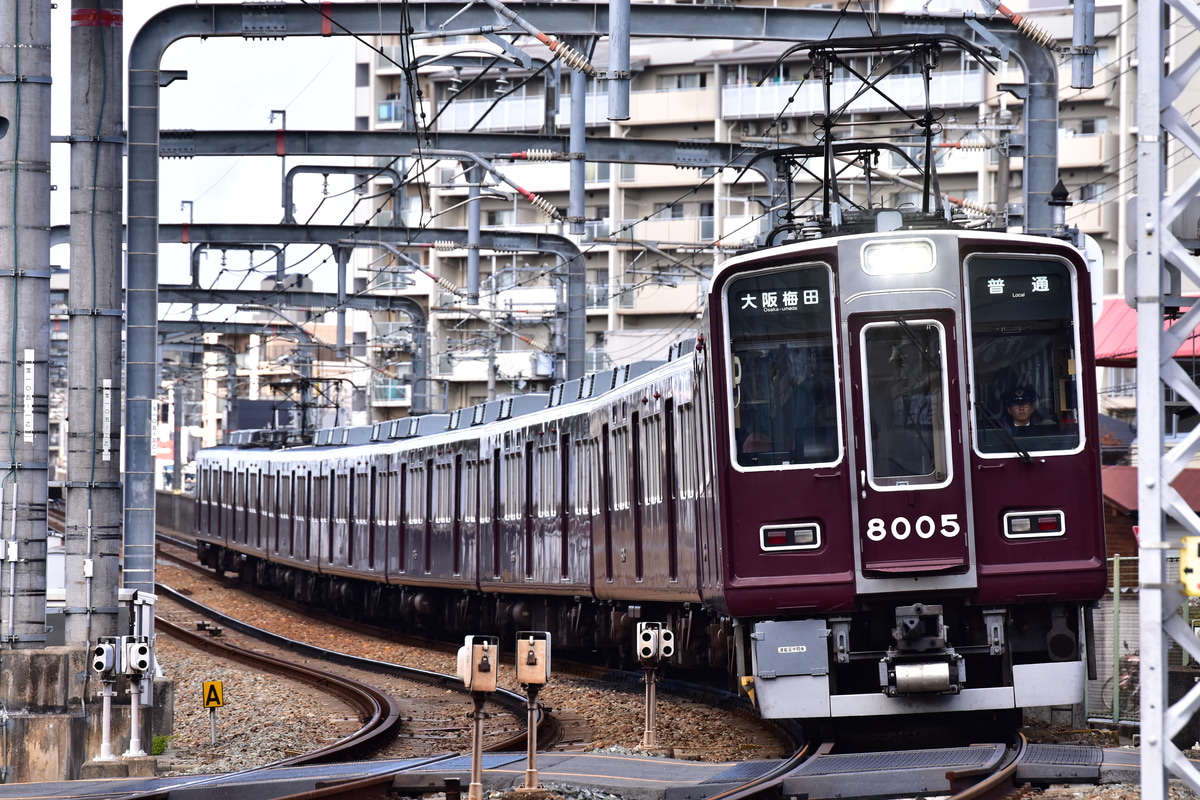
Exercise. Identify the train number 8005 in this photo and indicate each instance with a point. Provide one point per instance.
(925, 527)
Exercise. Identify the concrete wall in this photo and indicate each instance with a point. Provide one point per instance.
(175, 511)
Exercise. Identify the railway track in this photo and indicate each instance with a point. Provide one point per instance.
(554, 733)
(378, 712)
(994, 780)
(508, 708)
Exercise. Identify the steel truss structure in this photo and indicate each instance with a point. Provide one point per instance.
(1162, 262)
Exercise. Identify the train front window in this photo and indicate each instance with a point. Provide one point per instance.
(782, 369)
(906, 404)
(1023, 342)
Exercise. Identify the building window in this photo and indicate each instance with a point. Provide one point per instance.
(1091, 193)
(500, 217)
(689, 80)
(596, 172)
(668, 210)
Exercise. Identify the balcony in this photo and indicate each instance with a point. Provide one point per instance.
(523, 302)
(683, 105)
(687, 298)
(472, 365)
(1094, 218)
(388, 113)
(390, 392)
(596, 112)
(946, 90)
(510, 114)
(690, 231)
(1084, 151)
(394, 335)
(598, 295)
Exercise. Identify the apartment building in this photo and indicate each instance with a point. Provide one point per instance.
(652, 233)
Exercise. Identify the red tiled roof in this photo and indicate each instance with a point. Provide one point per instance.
(1121, 487)
(1116, 336)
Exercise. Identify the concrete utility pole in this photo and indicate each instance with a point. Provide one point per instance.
(28, 673)
(94, 302)
(24, 336)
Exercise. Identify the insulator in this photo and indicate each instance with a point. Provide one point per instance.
(574, 59)
(965, 146)
(1025, 27)
(969, 205)
(544, 206)
(445, 246)
(539, 155)
(1036, 34)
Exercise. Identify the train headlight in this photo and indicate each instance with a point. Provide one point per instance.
(906, 257)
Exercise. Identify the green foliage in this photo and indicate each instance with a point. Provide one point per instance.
(159, 744)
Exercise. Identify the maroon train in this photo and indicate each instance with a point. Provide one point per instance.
(822, 493)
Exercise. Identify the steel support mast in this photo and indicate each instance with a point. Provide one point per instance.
(1161, 260)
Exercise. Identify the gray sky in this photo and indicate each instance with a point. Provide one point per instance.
(233, 84)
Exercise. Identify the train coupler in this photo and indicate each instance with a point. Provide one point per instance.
(944, 673)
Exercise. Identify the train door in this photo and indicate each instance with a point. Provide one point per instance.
(912, 514)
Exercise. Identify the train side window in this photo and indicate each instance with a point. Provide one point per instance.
(1023, 345)
(782, 368)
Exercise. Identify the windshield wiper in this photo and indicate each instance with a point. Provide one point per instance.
(1012, 440)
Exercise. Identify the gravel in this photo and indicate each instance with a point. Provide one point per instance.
(267, 718)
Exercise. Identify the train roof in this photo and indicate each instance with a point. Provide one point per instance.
(589, 386)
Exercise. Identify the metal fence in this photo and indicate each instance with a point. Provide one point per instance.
(1115, 695)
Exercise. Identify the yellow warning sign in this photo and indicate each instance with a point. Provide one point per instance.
(214, 694)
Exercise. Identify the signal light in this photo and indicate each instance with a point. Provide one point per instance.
(104, 658)
(137, 655)
(654, 642)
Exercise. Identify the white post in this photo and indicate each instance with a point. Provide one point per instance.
(106, 753)
(135, 736)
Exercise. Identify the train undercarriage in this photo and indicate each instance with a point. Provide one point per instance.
(883, 660)
(575, 623)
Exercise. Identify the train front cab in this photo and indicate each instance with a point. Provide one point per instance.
(923, 556)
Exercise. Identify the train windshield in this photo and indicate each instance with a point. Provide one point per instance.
(906, 403)
(783, 379)
(1023, 342)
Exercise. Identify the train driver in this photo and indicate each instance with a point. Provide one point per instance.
(1021, 415)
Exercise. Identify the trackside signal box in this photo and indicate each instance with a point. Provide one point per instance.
(533, 657)
(478, 661)
(106, 657)
(136, 655)
(654, 642)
